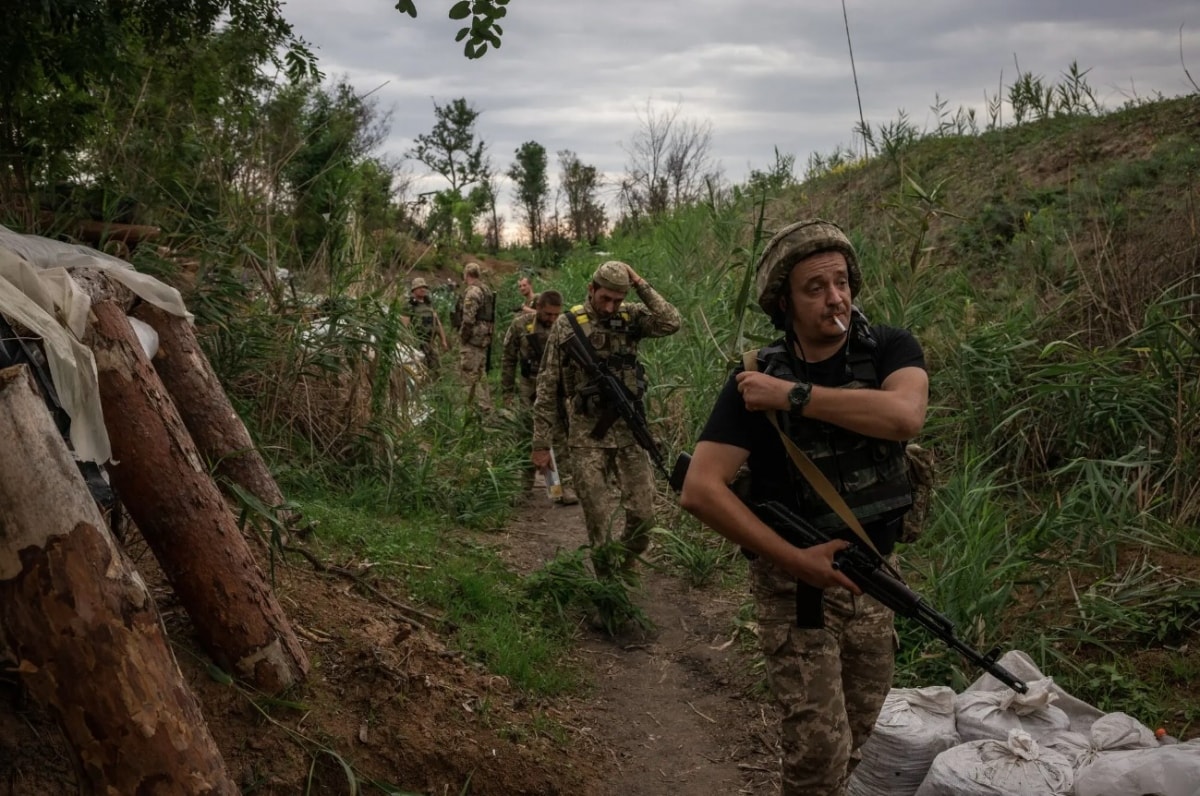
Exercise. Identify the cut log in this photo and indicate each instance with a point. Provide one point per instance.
(218, 431)
(163, 483)
(84, 631)
(215, 426)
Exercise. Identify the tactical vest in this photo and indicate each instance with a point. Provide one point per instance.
(487, 308)
(615, 341)
(532, 347)
(870, 473)
(422, 315)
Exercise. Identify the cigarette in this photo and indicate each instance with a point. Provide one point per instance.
(838, 321)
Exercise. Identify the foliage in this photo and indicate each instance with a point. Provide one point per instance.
(532, 187)
(581, 185)
(58, 60)
(452, 150)
(484, 30)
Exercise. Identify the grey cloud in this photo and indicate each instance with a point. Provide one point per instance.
(574, 75)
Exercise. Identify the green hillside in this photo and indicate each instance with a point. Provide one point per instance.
(1052, 271)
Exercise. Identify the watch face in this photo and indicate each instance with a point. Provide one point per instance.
(798, 395)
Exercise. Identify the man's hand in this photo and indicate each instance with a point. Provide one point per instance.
(814, 566)
(761, 392)
(634, 279)
(541, 459)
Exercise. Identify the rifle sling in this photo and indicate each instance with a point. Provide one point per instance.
(813, 473)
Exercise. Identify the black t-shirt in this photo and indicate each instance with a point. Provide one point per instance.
(731, 423)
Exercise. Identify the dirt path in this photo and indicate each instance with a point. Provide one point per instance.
(674, 707)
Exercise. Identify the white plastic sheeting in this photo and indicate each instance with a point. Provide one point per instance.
(37, 292)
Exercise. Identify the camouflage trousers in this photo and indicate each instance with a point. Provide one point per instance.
(616, 489)
(473, 368)
(830, 682)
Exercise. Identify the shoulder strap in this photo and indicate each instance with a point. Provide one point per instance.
(811, 472)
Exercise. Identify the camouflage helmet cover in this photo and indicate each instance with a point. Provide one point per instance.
(612, 275)
(792, 244)
(472, 269)
(416, 283)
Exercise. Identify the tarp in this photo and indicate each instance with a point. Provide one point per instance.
(37, 292)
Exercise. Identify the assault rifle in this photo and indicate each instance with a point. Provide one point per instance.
(618, 403)
(870, 573)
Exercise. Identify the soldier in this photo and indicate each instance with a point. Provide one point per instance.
(426, 324)
(525, 288)
(828, 649)
(524, 344)
(611, 472)
(478, 315)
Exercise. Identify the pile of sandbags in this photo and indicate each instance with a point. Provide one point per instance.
(990, 740)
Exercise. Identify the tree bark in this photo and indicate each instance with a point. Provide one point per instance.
(84, 630)
(175, 503)
(218, 431)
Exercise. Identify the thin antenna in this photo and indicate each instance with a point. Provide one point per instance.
(862, 122)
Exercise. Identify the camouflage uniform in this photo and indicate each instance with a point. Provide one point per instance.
(611, 472)
(829, 655)
(823, 723)
(424, 324)
(524, 343)
(478, 315)
(522, 348)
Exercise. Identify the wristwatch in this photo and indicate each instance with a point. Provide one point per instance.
(800, 395)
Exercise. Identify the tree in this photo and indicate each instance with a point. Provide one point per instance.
(483, 200)
(669, 163)
(59, 58)
(530, 174)
(581, 186)
(450, 148)
(338, 128)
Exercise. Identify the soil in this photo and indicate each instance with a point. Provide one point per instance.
(675, 709)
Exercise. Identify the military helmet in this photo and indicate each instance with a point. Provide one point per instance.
(472, 269)
(789, 246)
(416, 283)
(612, 275)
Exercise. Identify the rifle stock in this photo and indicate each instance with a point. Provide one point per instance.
(613, 393)
(869, 573)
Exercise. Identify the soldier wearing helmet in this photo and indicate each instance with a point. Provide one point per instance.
(848, 394)
(524, 344)
(476, 316)
(422, 317)
(612, 473)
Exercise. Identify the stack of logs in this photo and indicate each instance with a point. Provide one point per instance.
(76, 616)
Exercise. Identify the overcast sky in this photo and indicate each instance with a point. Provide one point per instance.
(576, 75)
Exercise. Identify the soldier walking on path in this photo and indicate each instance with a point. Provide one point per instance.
(524, 344)
(475, 330)
(845, 395)
(426, 325)
(613, 476)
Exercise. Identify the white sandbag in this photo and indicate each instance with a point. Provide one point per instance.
(981, 715)
(1021, 665)
(1017, 766)
(1165, 771)
(1109, 733)
(914, 726)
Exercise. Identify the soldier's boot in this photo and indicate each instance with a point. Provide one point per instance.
(569, 498)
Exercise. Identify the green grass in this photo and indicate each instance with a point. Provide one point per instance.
(438, 565)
